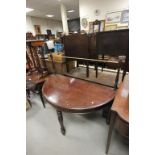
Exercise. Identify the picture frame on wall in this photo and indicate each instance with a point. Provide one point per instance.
(91, 30)
(125, 16)
(37, 29)
(113, 17)
(122, 27)
(102, 25)
(84, 23)
(110, 27)
(96, 26)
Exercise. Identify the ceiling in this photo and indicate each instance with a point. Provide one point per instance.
(45, 7)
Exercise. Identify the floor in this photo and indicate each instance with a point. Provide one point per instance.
(106, 77)
(85, 134)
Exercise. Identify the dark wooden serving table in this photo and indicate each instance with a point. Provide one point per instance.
(120, 112)
(74, 95)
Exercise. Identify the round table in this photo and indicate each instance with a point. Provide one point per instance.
(74, 95)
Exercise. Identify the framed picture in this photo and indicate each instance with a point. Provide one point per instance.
(113, 17)
(122, 27)
(102, 25)
(84, 22)
(37, 29)
(125, 16)
(91, 27)
(110, 27)
(96, 26)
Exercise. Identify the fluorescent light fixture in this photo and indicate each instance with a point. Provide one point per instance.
(50, 16)
(29, 10)
(71, 11)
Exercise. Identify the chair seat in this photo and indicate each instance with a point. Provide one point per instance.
(34, 84)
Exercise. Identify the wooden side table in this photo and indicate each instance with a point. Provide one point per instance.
(120, 112)
(72, 95)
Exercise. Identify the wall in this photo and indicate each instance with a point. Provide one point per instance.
(87, 8)
(44, 23)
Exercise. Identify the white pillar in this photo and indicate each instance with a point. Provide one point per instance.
(64, 18)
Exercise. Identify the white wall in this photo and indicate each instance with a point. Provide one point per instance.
(87, 8)
(44, 23)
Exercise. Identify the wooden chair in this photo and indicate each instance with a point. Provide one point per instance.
(38, 71)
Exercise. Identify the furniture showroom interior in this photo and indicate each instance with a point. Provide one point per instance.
(77, 77)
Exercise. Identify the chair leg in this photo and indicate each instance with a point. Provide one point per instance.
(28, 93)
(29, 102)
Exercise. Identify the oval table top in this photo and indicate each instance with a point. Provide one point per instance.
(75, 95)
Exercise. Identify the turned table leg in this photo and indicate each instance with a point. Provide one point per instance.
(60, 118)
(41, 97)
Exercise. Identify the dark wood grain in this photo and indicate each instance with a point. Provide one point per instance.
(92, 46)
(113, 43)
(74, 95)
(76, 45)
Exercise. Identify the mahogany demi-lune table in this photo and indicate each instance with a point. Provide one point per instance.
(73, 95)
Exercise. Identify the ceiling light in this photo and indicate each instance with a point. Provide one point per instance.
(50, 16)
(29, 10)
(70, 11)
